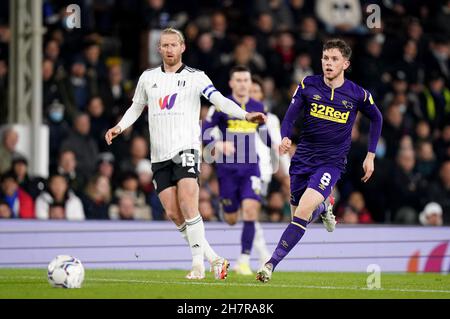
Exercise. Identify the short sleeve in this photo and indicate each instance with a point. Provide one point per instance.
(205, 85)
(140, 95)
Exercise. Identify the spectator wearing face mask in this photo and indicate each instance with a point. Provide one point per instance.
(59, 130)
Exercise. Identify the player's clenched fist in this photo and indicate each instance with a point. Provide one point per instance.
(285, 145)
(111, 134)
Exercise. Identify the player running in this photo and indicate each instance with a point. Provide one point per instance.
(172, 94)
(330, 104)
(237, 162)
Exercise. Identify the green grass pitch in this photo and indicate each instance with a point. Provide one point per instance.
(152, 284)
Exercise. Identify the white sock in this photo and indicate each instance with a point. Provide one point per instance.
(259, 243)
(196, 235)
(208, 252)
(182, 230)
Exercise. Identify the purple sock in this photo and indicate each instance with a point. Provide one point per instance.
(291, 236)
(315, 214)
(248, 234)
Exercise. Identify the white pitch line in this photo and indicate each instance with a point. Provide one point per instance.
(162, 282)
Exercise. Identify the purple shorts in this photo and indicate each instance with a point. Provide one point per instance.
(321, 179)
(236, 184)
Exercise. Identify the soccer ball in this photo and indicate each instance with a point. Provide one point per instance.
(65, 272)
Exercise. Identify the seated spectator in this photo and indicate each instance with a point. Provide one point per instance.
(130, 187)
(83, 145)
(205, 206)
(435, 99)
(145, 175)
(58, 192)
(59, 130)
(355, 212)
(105, 166)
(57, 211)
(138, 151)
(67, 166)
(439, 191)
(125, 209)
(426, 160)
(442, 145)
(97, 198)
(423, 131)
(431, 215)
(7, 148)
(79, 87)
(20, 203)
(33, 186)
(209, 183)
(302, 67)
(113, 92)
(276, 208)
(99, 121)
(5, 210)
(407, 185)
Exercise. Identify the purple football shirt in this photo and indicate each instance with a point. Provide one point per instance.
(240, 132)
(329, 116)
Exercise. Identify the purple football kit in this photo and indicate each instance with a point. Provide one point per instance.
(238, 174)
(325, 139)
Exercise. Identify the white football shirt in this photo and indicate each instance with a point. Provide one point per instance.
(173, 101)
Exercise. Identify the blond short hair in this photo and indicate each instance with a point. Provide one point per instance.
(173, 31)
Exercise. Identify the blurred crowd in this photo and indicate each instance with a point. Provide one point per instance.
(89, 75)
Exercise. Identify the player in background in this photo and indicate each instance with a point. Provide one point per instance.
(172, 94)
(237, 162)
(270, 162)
(330, 104)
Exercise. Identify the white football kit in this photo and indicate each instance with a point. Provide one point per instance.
(173, 101)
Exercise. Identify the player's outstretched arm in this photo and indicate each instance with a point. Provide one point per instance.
(130, 116)
(229, 107)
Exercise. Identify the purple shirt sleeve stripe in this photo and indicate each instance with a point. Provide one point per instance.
(211, 92)
(206, 88)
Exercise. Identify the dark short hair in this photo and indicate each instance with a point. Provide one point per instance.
(239, 68)
(339, 44)
(8, 175)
